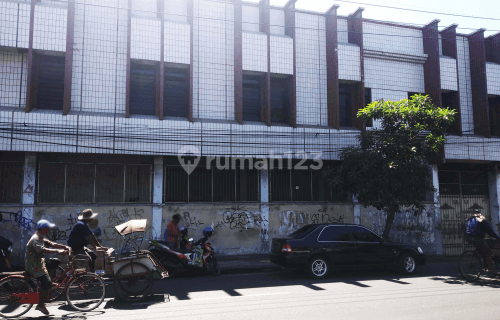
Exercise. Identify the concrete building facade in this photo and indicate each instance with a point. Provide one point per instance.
(98, 99)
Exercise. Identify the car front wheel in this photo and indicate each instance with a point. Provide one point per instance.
(407, 263)
(318, 267)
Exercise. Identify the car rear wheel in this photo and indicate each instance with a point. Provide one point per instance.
(318, 267)
(407, 263)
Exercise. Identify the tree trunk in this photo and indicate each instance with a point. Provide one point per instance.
(388, 225)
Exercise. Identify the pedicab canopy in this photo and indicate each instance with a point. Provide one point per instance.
(131, 226)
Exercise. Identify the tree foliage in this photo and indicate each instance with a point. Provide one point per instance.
(389, 168)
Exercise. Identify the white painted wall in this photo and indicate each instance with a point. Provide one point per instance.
(254, 48)
(349, 62)
(176, 10)
(448, 69)
(392, 39)
(13, 76)
(251, 18)
(493, 78)
(277, 22)
(342, 31)
(465, 85)
(281, 54)
(310, 38)
(49, 32)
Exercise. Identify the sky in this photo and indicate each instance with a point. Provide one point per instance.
(478, 8)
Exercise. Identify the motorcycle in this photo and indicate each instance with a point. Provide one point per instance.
(201, 256)
(5, 251)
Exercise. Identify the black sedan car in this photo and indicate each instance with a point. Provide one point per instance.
(320, 247)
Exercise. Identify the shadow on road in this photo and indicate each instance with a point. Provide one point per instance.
(181, 288)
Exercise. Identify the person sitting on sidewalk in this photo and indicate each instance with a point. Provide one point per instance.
(172, 234)
(36, 249)
(477, 227)
(80, 236)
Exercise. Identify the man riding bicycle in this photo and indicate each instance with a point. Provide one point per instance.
(36, 249)
(477, 227)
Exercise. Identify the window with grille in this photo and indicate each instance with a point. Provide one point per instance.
(280, 101)
(298, 182)
(450, 100)
(143, 87)
(60, 182)
(494, 105)
(176, 91)
(345, 104)
(368, 100)
(49, 81)
(252, 97)
(212, 184)
(11, 182)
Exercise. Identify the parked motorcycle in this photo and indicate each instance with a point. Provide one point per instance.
(201, 256)
(5, 251)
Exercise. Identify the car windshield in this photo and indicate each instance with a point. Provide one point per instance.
(302, 232)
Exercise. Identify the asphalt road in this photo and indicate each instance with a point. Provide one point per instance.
(435, 292)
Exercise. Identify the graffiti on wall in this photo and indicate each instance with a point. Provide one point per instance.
(56, 234)
(292, 220)
(240, 219)
(18, 220)
(192, 223)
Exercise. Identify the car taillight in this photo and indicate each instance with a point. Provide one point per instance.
(286, 248)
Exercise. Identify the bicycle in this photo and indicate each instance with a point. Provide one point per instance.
(85, 291)
(471, 263)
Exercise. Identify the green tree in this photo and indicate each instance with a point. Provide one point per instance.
(389, 168)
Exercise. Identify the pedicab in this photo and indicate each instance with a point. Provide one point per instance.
(135, 271)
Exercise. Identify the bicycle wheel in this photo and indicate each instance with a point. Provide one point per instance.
(85, 292)
(12, 306)
(57, 285)
(133, 281)
(470, 265)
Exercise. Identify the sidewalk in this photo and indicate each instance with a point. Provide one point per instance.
(260, 263)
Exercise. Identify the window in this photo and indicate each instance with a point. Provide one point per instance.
(450, 100)
(335, 233)
(11, 181)
(301, 183)
(176, 91)
(302, 232)
(220, 183)
(345, 104)
(494, 104)
(252, 101)
(365, 235)
(368, 100)
(72, 182)
(49, 82)
(250, 18)
(143, 87)
(280, 102)
(464, 183)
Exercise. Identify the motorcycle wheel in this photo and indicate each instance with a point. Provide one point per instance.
(213, 267)
(169, 266)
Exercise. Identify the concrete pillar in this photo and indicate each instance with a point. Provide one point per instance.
(356, 210)
(494, 187)
(437, 211)
(156, 231)
(26, 221)
(264, 210)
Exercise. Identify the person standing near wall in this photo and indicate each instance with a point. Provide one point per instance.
(172, 234)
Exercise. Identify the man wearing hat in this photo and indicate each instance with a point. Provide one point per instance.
(80, 236)
(36, 249)
(477, 227)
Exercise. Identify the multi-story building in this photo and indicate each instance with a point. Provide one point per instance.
(98, 98)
